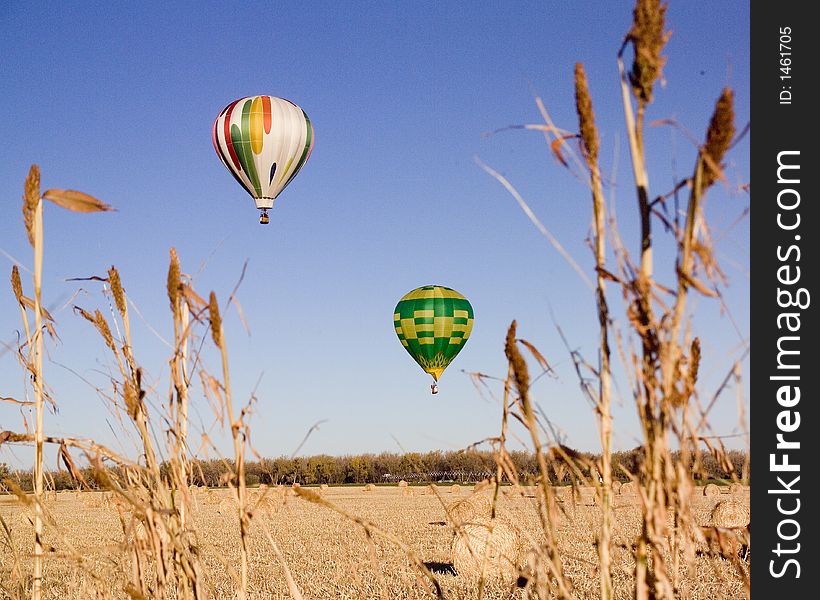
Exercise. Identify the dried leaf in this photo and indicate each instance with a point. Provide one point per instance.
(241, 315)
(76, 201)
(195, 302)
(75, 473)
(608, 275)
(15, 401)
(29, 303)
(555, 146)
(51, 331)
(698, 285)
(91, 278)
(538, 356)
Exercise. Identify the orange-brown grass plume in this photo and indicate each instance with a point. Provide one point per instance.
(718, 137)
(648, 39)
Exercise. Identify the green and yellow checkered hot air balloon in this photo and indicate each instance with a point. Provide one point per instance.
(433, 323)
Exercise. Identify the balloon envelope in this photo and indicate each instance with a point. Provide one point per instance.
(433, 323)
(263, 141)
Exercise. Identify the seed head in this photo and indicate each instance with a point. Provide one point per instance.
(718, 136)
(105, 331)
(648, 39)
(173, 279)
(586, 116)
(116, 289)
(216, 321)
(519, 365)
(694, 364)
(31, 196)
(16, 284)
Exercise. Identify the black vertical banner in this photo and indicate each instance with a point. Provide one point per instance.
(784, 390)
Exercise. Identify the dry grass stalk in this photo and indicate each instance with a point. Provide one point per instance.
(519, 375)
(239, 438)
(33, 217)
(486, 549)
(589, 137)
(180, 382)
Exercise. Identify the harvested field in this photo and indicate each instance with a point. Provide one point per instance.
(326, 552)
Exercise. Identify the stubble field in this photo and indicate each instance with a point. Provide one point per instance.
(330, 556)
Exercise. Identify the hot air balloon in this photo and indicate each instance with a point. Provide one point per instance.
(263, 141)
(433, 323)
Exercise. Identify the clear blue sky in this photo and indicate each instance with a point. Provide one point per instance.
(117, 100)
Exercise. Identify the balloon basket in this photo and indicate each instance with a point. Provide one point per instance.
(434, 389)
(264, 219)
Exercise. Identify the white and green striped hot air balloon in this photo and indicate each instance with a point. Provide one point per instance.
(433, 323)
(263, 141)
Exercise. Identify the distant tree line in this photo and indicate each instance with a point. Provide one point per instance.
(414, 467)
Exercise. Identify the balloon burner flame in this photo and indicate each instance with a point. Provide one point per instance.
(264, 219)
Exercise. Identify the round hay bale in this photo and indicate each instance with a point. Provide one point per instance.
(324, 486)
(736, 489)
(370, 487)
(268, 504)
(616, 487)
(730, 514)
(402, 483)
(586, 496)
(491, 547)
(483, 506)
(455, 488)
(711, 490)
(481, 485)
(226, 506)
(628, 488)
(475, 508)
(461, 512)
